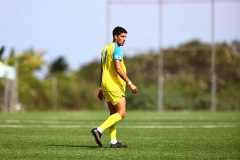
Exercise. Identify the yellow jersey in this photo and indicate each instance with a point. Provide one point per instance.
(111, 81)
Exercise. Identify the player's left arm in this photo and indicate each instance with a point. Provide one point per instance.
(123, 75)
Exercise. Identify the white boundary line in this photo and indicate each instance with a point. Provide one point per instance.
(136, 127)
(83, 124)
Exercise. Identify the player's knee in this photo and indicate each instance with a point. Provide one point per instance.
(123, 115)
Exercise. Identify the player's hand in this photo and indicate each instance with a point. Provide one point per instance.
(100, 95)
(133, 88)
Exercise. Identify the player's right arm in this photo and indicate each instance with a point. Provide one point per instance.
(100, 94)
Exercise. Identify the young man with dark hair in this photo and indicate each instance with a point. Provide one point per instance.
(113, 79)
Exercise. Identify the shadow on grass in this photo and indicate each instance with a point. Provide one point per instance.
(75, 146)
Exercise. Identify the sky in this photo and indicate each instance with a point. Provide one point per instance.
(79, 29)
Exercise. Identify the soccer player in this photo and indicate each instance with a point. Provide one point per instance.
(113, 79)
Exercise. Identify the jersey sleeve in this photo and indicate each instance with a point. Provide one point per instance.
(117, 54)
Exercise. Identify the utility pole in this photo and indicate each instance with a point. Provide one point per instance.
(6, 94)
(213, 55)
(54, 93)
(160, 106)
(14, 90)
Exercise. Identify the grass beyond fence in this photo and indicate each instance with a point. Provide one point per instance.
(149, 136)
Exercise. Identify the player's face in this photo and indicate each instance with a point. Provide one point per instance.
(120, 39)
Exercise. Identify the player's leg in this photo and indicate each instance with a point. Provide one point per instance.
(111, 120)
(121, 109)
(112, 128)
(118, 101)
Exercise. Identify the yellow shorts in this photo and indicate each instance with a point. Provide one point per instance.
(113, 96)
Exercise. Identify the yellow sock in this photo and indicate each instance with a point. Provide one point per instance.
(114, 118)
(113, 131)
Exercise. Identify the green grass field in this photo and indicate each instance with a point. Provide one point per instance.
(149, 136)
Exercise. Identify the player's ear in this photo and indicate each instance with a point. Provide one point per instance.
(115, 37)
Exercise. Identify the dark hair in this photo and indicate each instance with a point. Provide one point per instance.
(118, 30)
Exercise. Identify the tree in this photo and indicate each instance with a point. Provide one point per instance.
(1, 52)
(59, 65)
